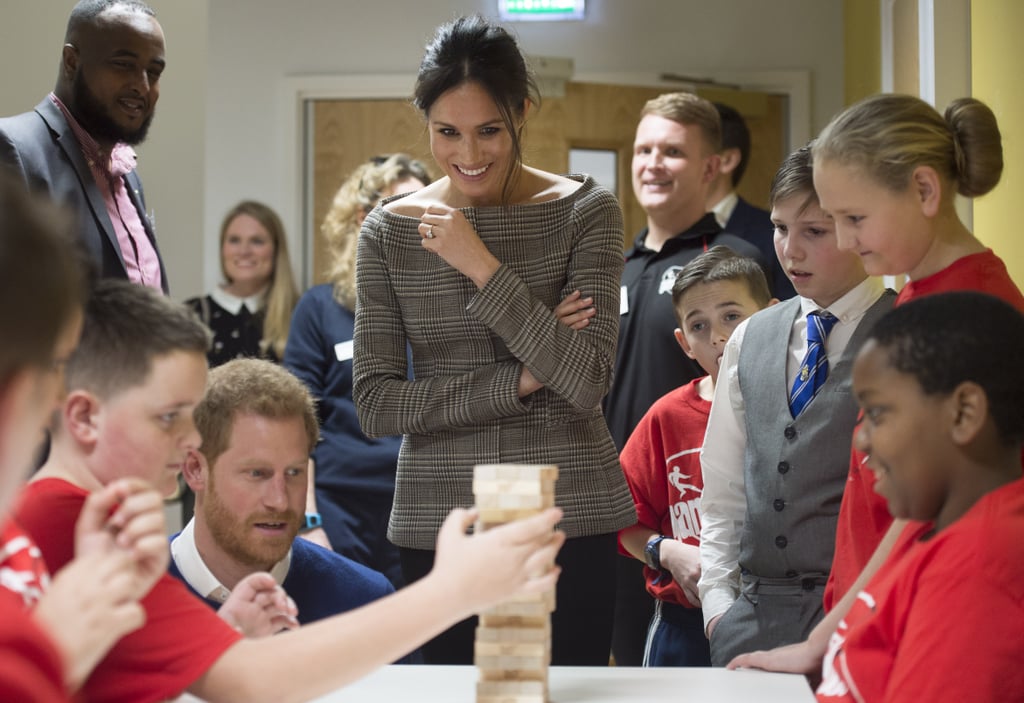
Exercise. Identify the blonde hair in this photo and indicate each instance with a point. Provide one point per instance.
(253, 387)
(281, 295)
(355, 198)
(891, 135)
(689, 109)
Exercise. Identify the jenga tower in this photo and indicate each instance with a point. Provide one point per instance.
(513, 640)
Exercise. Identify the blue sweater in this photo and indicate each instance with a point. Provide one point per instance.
(346, 459)
(320, 582)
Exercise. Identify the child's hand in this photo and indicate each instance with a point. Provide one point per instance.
(484, 569)
(683, 562)
(575, 311)
(126, 515)
(800, 658)
(258, 607)
(90, 605)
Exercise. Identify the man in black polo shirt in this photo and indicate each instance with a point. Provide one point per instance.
(675, 161)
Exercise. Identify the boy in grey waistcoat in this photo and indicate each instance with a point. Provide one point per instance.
(776, 453)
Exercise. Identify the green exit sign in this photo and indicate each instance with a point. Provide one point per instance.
(540, 10)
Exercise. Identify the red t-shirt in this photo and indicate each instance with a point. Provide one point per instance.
(182, 636)
(22, 569)
(31, 670)
(863, 515)
(661, 461)
(943, 619)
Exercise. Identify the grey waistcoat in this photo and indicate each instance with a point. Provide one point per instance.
(795, 469)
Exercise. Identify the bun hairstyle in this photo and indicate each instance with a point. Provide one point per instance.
(978, 146)
(891, 135)
(472, 50)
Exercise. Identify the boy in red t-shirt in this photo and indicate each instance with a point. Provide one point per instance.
(132, 383)
(711, 295)
(53, 631)
(941, 388)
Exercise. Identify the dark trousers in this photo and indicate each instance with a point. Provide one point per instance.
(676, 637)
(356, 522)
(634, 608)
(581, 626)
(770, 612)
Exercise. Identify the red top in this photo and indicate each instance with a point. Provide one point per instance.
(22, 569)
(661, 461)
(942, 619)
(863, 515)
(31, 670)
(182, 636)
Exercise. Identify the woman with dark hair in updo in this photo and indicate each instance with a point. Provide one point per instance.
(504, 281)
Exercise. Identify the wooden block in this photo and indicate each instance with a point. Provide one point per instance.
(513, 667)
(512, 687)
(514, 634)
(511, 649)
(512, 485)
(513, 501)
(493, 518)
(527, 472)
(523, 609)
(493, 688)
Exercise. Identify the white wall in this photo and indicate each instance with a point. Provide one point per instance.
(218, 138)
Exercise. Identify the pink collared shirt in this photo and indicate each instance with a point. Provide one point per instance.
(139, 255)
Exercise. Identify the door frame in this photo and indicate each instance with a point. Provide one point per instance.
(295, 117)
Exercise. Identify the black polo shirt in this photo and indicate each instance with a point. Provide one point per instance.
(649, 362)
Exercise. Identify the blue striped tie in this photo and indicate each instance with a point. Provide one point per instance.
(814, 369)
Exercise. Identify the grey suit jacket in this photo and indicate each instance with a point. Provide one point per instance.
(40, 148)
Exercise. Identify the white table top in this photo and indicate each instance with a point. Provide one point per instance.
(457, 684)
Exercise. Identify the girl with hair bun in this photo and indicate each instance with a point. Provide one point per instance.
(888, 169)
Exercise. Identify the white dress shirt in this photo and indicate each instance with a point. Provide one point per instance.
(724, 501)
(724, 207)
(195, 572)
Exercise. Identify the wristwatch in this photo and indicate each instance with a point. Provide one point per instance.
(313, 521)
(652, 552)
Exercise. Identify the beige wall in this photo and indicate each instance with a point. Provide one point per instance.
(862, 49)
(997, 60)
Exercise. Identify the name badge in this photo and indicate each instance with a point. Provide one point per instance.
(343, 350)
(623, 301)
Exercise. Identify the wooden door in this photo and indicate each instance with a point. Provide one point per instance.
(590, 116)
(347, 133)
